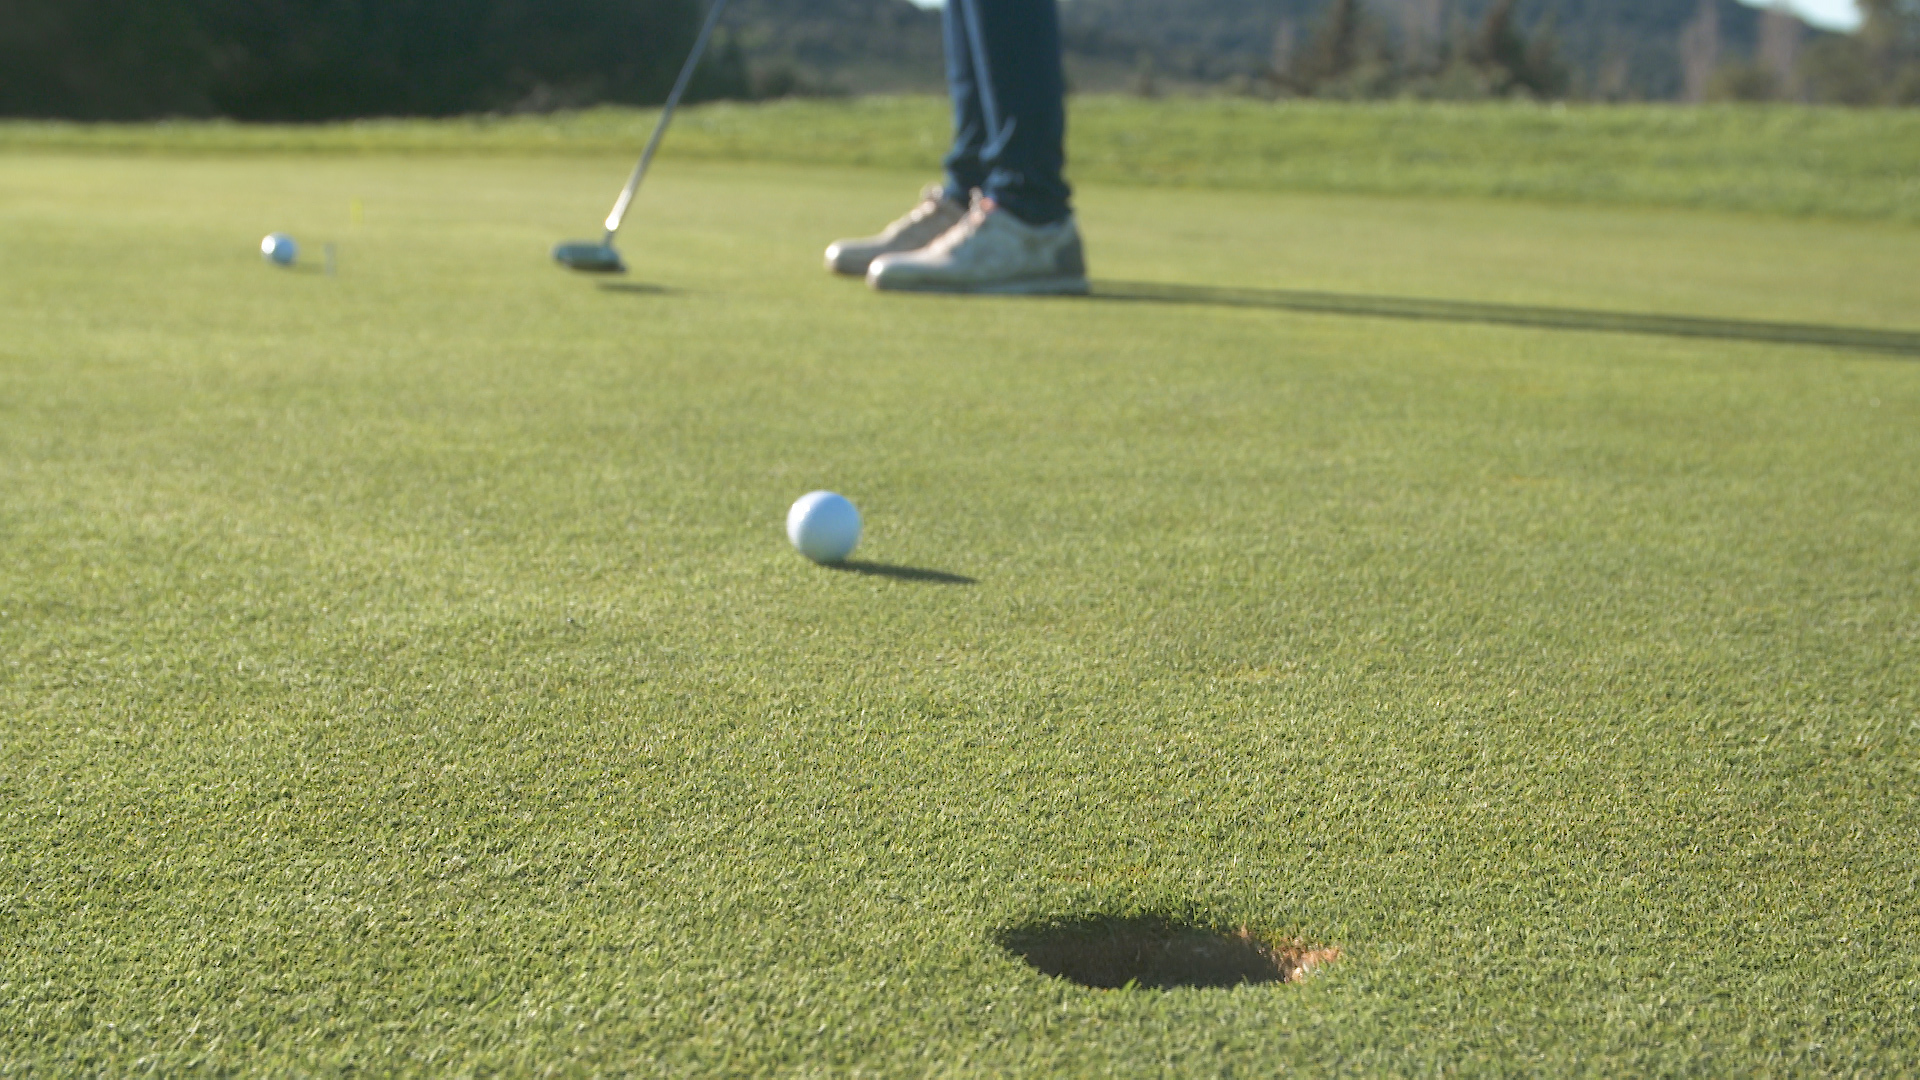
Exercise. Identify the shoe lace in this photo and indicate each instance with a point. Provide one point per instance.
(967, 227)
(931, 201)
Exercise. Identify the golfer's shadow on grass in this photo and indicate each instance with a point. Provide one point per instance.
(902, 573)
(636, 288)
(1894, 342)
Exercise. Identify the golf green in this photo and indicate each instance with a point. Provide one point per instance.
(404, 670)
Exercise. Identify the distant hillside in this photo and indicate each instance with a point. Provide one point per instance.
(1613, 48)
(1636, 44)
(838, 46)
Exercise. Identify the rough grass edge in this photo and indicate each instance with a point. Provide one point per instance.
(1787, 160)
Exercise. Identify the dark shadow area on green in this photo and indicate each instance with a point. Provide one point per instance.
(1893, 342)
(903, 573)
(636, 288)
(1154, 952)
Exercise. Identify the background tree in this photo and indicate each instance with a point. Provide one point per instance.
(322, 59)
(1782, 39)
(95, 59)
(1700, 52)
(1880, 65)
(1890, 38)
(1349, 55)
(1508, 62)
(1334, 50)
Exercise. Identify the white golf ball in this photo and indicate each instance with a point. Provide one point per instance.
(824, 527)
(279, 249)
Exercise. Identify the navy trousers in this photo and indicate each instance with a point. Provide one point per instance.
(1009, 106)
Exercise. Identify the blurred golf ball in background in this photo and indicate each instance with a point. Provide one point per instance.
(279, 249)
(824, 527)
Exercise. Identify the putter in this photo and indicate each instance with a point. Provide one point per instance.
(600, 258)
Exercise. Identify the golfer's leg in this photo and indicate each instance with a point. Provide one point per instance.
(1022, 94)
(965, 168)
(943, 207)
(1009, 121)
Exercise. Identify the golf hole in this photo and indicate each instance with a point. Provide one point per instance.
(1152, 952)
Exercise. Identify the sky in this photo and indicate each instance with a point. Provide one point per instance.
(1828, 14)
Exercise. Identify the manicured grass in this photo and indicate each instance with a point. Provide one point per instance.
(1850, 163)
(405, 671)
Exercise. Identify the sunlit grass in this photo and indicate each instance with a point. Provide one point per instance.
(405, 672)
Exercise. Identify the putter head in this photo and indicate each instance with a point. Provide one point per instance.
(589, 257)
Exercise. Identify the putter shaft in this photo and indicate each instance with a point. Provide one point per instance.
(666, 116)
